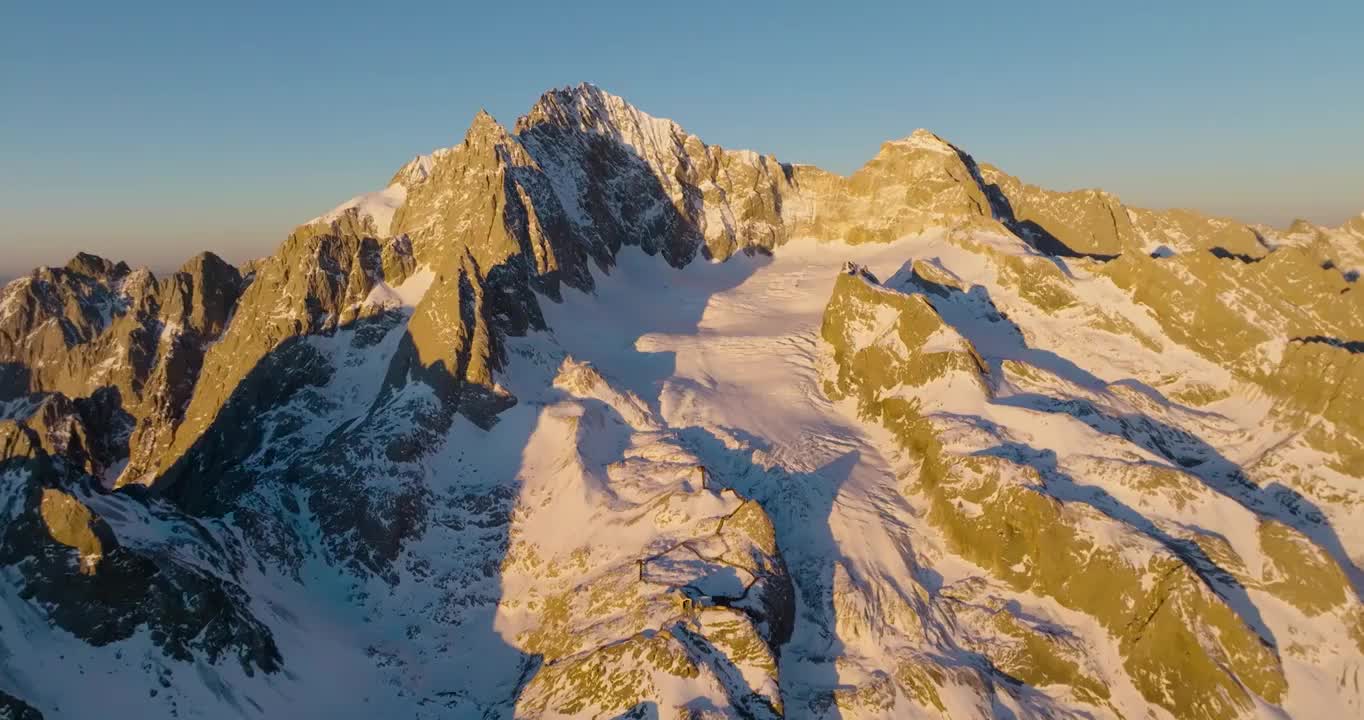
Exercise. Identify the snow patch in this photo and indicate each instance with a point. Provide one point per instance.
(378, 206)
(406, 294)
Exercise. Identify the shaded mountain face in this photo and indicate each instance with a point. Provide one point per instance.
(588, 418)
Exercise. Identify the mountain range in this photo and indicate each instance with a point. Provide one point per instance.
(585, 417)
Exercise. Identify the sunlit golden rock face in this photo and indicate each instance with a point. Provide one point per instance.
(69, 522)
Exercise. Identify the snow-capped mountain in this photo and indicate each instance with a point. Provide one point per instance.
(588, 418)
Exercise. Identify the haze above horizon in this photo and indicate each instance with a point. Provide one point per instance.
(149, 131)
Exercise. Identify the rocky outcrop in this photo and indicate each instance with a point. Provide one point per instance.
(12, 708)
(68, 560)
(1335, 248)
(1183, 646)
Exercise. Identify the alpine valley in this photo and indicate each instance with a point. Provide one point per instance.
(587, 418)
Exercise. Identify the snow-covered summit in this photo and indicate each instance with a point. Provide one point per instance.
(922, 139)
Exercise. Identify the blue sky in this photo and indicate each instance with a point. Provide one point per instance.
(149, 130)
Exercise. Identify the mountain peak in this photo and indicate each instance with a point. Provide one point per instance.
(95, 266)
(588, 108)
(206, 261)
(1301, 226)
(922, 139)
(559, 99)
(484, 123)
(487, 134)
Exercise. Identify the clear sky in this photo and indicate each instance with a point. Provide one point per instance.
(151, 130)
